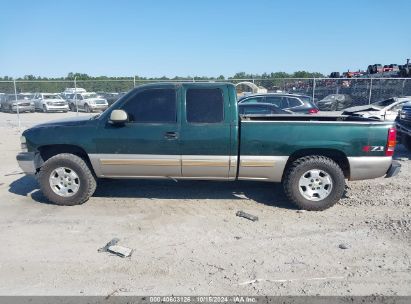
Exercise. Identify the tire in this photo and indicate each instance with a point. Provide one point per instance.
(301, 167)
(87, 108)
(72, 107)
(44, 109)
(86, 180)
(406, 141)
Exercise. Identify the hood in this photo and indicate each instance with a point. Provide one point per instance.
(362, 109)
(66, 122)
(95, 99)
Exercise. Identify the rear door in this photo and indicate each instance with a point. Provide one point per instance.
(205, 132)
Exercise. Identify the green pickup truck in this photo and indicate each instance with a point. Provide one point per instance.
(194, 131)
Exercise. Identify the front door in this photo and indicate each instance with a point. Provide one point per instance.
(146, 146)
(205, 132)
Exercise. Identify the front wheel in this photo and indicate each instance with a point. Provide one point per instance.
(65, 179)
(314, 183)
(87, 108)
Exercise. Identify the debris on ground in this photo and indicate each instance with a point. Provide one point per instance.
(112, 247)
(343, 246)
(111, 243)
(121, 251)
(301, 211)
(247, 216)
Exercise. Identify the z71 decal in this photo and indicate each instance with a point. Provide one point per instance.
(373, 148)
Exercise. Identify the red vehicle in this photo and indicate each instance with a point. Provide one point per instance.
(375, 68)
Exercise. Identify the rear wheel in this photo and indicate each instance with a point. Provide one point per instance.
(314, 183)
(65, 179)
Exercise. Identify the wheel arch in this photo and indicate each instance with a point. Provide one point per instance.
(336, 155)
(48, 151)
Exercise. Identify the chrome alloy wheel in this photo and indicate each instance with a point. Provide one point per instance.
(64, 181)
(315, 185)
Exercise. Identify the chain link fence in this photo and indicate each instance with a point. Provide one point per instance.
(348, 91)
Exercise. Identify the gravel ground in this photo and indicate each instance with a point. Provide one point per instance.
(188, 241)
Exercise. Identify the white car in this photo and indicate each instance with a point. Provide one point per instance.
(386, 110)
(50, 102)
(69, 91)
(87, 102)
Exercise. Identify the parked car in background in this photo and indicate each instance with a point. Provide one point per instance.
(70, 91)
(24, 103)
(87, 102)
(111, 97)
(383, 110)
(3, 97)
(292, 102)
(404, 125)
(375, 68)
(50, 102)
(334, 102)
(260, 109)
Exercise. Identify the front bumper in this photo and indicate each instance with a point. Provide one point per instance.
(29, 162)
(96, 107)
(394, 169)
(57, 108)
(23, 109)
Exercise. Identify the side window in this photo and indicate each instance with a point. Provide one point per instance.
(204, 105)
(252, 100)
(275, 100)
(257, 110)
(79, 97)
(152, 106)
(293, 102)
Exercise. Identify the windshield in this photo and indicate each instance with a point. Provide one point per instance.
(89, 95)
(384, 103)
(51, 96)
(24, 96)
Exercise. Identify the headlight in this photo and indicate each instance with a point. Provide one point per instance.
(23, 143)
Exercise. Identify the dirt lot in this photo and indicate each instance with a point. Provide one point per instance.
(188, 241)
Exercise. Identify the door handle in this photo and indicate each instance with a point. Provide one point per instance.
(171, 135)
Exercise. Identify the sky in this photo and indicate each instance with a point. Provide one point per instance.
(154, 38)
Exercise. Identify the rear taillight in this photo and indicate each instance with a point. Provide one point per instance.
(391, 141)
(312, 111)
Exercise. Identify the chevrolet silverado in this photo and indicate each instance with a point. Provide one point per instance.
(194, 131)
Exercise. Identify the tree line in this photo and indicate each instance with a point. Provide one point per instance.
(31, 83)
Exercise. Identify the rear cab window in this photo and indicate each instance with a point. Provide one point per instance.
(204, 105)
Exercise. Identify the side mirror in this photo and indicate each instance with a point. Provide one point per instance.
(118, 117)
